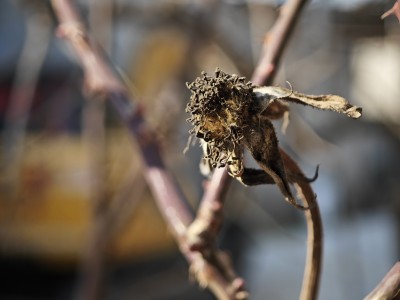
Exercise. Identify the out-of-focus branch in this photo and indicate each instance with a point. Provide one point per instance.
(35, 47)
(395, 10)
(313, 264)
(93, 264)
(389, 287)
(276, 41)
(100, 79)
(95, 259)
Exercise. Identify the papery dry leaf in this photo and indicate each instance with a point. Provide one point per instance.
(260, 139)
(325, 102)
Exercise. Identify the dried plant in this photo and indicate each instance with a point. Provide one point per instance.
(230, 114)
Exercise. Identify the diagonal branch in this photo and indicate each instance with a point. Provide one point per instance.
(395, 10)
(389, 287)
(102, 82)
(276, 41)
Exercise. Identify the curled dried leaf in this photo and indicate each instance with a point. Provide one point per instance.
(325, 102)
(262, 143)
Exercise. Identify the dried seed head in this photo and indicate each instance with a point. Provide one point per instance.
(230, 115)
(221, 108)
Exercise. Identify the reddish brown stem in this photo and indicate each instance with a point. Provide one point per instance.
(395, 10)
(203, 232)
(313, 264)
(276, 41)
(93, 269)
(102, 81)
(389, 287)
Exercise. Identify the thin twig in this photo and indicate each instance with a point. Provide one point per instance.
(313, 265)
(395, 10)
(26, 79)
(389, 287)
(100, 79)
(93, 264)
(125, 200)
(95, 259)
(276, 41)
(203, 232)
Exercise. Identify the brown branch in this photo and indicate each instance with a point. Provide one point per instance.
(276, 41)
(395, 10)
(389, 287)
(203, 232)
(313, 265)
(214, 271)
(93, 267)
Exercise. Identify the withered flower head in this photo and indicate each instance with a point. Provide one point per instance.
(220, 107)
(230, 114)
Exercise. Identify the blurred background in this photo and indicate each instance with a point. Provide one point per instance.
(77, 220)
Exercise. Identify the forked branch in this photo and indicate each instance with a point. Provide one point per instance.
(215, 271)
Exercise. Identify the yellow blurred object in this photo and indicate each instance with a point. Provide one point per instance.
(51, 216)
(162, 56)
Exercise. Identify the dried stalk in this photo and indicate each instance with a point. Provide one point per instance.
(389, 287)
(395, 10)
(95, 259)
(93, 267)
(213, 272)
(313, 265)
(276, 41)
